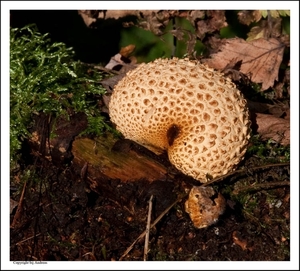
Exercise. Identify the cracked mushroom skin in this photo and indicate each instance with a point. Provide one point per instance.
(187, 109)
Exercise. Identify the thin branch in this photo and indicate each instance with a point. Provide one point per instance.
(151, 226)
(260, 186)
(90, 254)
(104, 69)
(218, 179)
(36, 235)
(17, 216)
(148, 229)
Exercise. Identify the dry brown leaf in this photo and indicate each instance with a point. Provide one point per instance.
(266, 29)
(115, 62)
(206, 21)
(127, 50)
(215, 21)
(116, 14)
(279, 110)
(271, 127)
(190, 39)
(249, 16)
(88, 16)
(260, 58)
(121, 60)
(195, 15)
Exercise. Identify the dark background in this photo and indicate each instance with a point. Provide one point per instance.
(91, 45)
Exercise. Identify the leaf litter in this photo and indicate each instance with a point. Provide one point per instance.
(260, 59)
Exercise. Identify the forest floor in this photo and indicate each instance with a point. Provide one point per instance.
(64, 219)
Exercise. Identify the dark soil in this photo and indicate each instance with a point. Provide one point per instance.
(63, 219)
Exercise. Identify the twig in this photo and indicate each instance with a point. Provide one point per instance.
(260, 186)
(106, 70)
(148, 229)
(179, 199)
(151, 226)
(19, 209)
(218, 179)
(28, 239)
(91, 254)
(103, 69)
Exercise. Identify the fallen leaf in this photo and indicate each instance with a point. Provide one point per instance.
(260, 58)
(88, 16)
(279, 110)
(127, 50)
(266, 29)
(118, 62)
(195, 15)
(215, 21)
(238, 240)
(215, 43)
(114, 63)
(190, 39)
(271, 127)
(249, 16)
(117, 14)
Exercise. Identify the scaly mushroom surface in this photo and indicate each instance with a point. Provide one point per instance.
(187, 109)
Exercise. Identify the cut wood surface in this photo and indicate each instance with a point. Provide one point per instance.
(105, 158)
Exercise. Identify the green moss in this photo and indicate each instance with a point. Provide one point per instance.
(45, 78)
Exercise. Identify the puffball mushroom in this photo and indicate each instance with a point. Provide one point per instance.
(187, 109)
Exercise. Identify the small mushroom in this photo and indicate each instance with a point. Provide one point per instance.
(204, 206)
(187, 109)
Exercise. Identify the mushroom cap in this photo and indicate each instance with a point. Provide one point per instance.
(187, 109)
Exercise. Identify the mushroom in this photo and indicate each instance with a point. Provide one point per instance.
(204, 206)
(187, 109)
